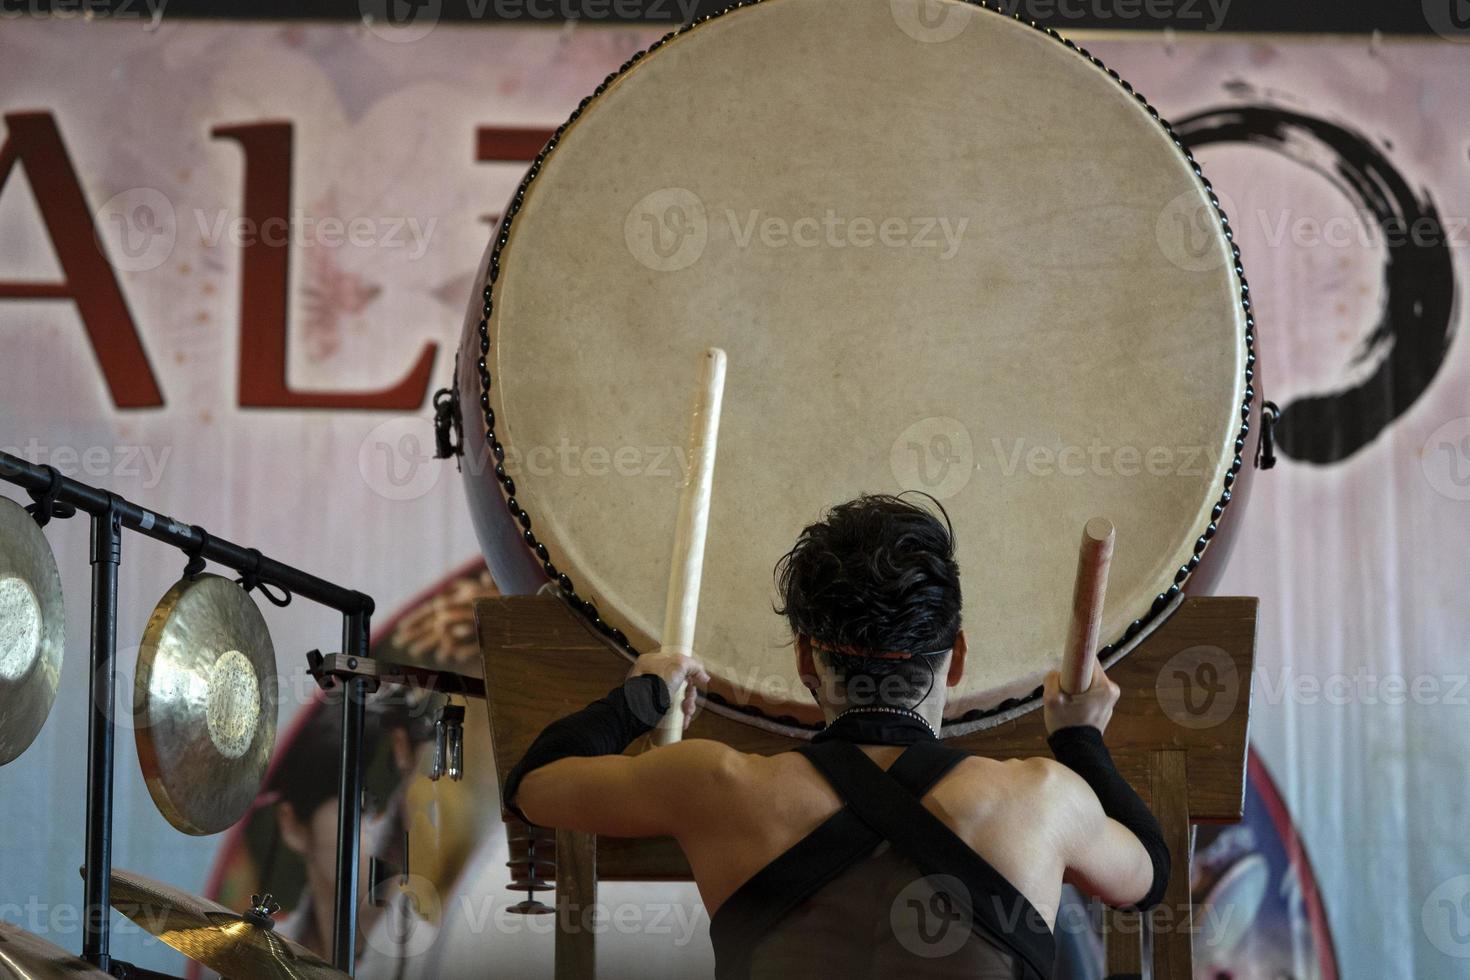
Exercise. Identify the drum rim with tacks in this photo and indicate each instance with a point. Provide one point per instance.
(525, 539)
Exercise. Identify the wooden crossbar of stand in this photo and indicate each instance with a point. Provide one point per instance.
(1179, 735)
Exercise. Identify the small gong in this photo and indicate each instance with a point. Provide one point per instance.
(204, 703)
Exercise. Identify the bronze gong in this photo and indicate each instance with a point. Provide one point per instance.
(32, 629)
(204, 703)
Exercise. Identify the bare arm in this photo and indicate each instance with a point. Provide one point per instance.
(648, 795)
(1102, 856)
(574, 774)
(1112, 845)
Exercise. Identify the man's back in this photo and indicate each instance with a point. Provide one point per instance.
(878, 919)
(787, 850)
(754, 808)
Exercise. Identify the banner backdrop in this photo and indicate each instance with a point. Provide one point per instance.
(289, 219)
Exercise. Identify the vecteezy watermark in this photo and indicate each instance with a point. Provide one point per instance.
(938, 455)
(1198, 687)
(1450, 19)
(931, 917)
(400, 20)
(234, 694)
(1363, 686)
(397, 462)
(411, 904)
(1445, 916)
(935, 455)
(57, 922)
(933, 21)
(146, 10)
(669, 229)
(139, 228)
(1362, 229)
(1445, 459)
(145, 464)
(936, 21)
(1189, 232)
(1208, 14)
(396, 459)
(834, 230)
(478, 913)
(305, 230)
(1097, 458)
(410, 20)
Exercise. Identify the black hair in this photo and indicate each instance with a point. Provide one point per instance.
(876, 575)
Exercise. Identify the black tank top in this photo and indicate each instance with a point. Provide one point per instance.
(882, 888)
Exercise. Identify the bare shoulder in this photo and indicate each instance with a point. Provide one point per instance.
(1032, 779)
(1059, 786)
(702, 759)
(724, 786)
(1029, 770)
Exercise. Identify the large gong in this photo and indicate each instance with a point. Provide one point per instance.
(945, 251)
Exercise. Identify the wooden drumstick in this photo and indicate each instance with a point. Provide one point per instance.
(1091, 586)
(689, 532)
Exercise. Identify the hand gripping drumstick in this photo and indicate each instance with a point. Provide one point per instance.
(689, 532)
(1093, 559)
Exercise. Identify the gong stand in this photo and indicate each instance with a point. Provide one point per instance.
(58, 496)
(1179, 735)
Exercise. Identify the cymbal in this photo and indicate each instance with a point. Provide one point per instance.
(204, 703)
(231, 944)
(27, 957)
(32, 629)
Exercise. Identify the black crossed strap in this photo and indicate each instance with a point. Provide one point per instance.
(880, 806)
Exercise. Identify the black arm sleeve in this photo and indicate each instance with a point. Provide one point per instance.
(605, 727)
(1081, 749)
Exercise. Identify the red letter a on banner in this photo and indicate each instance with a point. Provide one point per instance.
(35, 142)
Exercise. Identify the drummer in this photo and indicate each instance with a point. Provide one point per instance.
(797, 855)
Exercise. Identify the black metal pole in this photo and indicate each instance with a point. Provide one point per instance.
(163, 528)
(355, 632)
(106, 556)
(111, 514)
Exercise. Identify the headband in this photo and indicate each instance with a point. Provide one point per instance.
(866, 654)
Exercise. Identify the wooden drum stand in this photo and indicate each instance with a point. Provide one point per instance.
(1178, 735)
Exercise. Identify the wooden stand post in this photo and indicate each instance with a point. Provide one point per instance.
(1178, 735)
(576, 903)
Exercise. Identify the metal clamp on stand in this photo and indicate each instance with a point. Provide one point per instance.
(329, 668)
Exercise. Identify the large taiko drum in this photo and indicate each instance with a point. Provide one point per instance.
(945, 251)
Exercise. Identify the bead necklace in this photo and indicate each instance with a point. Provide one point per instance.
(887, 710)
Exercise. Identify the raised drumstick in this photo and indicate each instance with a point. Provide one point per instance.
(689, 533)
(1091, 586)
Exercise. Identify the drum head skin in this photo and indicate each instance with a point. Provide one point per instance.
(945, 251)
